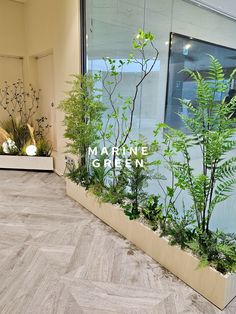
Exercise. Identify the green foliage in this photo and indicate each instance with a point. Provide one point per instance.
(83, 107)
(120, 117)
(44, 147)
(137, 178)
(169, 188)
(78, 174)
(98, 174)
(21, 136)
(19, 132)
(218, 250)
(83, 112)
(21, 107)
(153, 210)
(142, 39)
(116, 194)
(210, 128)
(181, 229)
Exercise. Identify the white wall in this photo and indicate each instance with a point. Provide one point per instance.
(12, 39)
(11, 70)
(53, 25)
(47, 106)
(12, 44)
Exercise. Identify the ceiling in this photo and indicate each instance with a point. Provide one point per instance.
(226, 7)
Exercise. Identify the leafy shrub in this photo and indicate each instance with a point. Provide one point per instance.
(218, 250)
(78, 174)
(83, 111)
(211, 129)
(181, 229)
(18, 132)
(44, 147)
(153, 210)
(137, 180)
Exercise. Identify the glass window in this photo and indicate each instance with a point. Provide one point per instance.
(191, 53)
(110, 27)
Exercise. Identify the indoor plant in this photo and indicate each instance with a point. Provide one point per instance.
(211, 128)
(23, 133)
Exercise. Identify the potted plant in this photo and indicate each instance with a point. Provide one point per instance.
(23, 136)
(180, 240)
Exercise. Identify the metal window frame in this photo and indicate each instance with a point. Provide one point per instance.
(83, 37)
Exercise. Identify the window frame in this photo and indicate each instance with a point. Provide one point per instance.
(83, 37)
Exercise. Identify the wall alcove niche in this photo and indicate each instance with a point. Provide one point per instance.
(35, 29)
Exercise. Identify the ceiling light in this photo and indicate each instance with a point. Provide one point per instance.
(187, 46)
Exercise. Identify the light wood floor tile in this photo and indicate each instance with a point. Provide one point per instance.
(57, 258)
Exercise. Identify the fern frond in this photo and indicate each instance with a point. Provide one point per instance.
(225, 187)
(216, 74)
(226, 170)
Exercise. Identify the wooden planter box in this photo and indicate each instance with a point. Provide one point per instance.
(26, 163)
(217, 288)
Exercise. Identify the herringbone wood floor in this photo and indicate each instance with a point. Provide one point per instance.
(55, 257)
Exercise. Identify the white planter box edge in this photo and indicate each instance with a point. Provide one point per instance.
(217, 288)
(26, 163)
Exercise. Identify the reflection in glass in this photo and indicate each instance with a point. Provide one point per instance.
(190, 53)
(110, 27)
